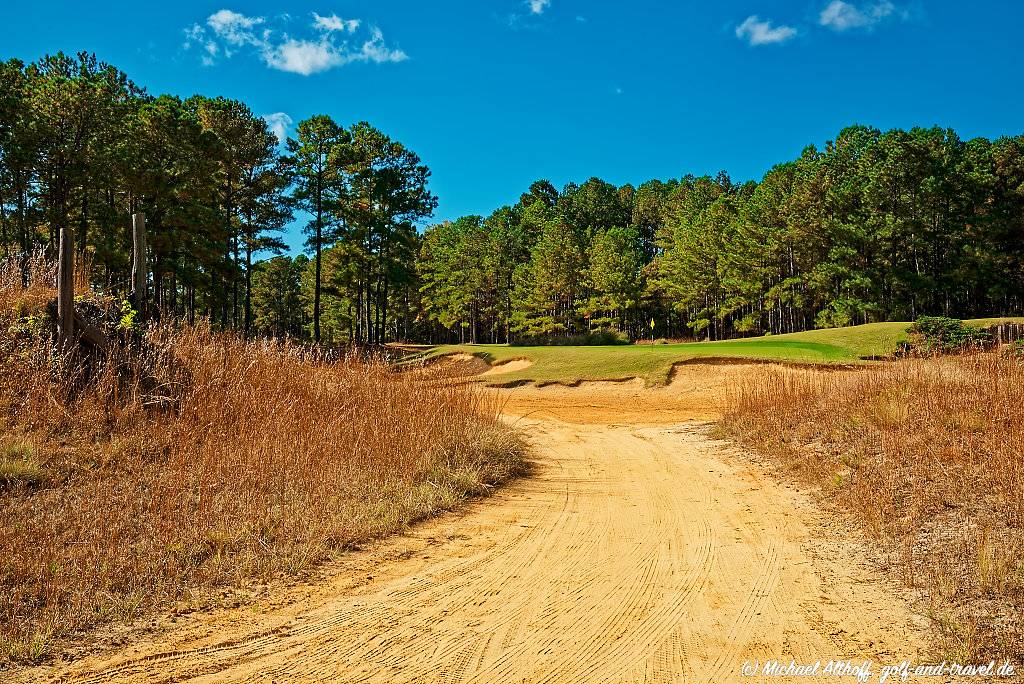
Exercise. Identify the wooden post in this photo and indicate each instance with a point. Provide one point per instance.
(66, 287)
(139, 264)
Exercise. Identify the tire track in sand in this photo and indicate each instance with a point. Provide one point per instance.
(633, 554)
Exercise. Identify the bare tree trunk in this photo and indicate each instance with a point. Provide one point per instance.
(385, 293)
(234, 286)
(83, 225)
(172, 305)
(158, 290)
(248, 283)
(139, 264)
(359, 311)
(319, 248)
(368, 306)
(316, 278)
(3, 226)
(66, 287)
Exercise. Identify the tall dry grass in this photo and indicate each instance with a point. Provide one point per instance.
(195, 460)
(928, 455)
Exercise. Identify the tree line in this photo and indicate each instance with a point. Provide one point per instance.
(874, 226)
(83, 147)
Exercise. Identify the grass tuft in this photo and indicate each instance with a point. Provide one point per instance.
(18, 465)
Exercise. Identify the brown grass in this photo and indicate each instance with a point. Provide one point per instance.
(196, 460)
(928, 455)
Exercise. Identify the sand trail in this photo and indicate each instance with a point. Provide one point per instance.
(634, 553)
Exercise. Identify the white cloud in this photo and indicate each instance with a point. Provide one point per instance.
(234, 28)
(843, 16)
(278, 122)
(227, 31)
(212, 50)
(757, 32)
(374, 50)
(538, 6)
(303, 57)
(196, 36)
(307, 57)
(335, 23)
(193, 33)
(532, 17)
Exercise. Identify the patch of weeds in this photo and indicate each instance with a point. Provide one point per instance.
(890, 407)
(1014, 350)
(18, 465)
(31, 651)
(959, 639)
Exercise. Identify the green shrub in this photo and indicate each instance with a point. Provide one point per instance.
(594, 338)
(941, 335)
(129, 321)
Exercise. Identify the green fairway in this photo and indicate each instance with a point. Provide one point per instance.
(653, 363)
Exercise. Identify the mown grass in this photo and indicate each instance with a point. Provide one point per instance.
(192, 460)
(653, 363)
(926, 455)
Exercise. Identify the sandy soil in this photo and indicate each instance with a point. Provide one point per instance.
(696, 392)
(636, 552)
(512, 366)
(467, 365)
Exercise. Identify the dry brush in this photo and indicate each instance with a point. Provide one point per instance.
(191, 460)
(928, 455)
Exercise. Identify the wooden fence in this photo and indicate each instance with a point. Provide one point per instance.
(1006, 332)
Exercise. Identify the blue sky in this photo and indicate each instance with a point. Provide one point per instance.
(495, 94)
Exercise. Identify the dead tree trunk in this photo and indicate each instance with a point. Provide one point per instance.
(66, 287)
(139, 264)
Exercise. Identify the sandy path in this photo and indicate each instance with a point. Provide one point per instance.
(634, 554)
